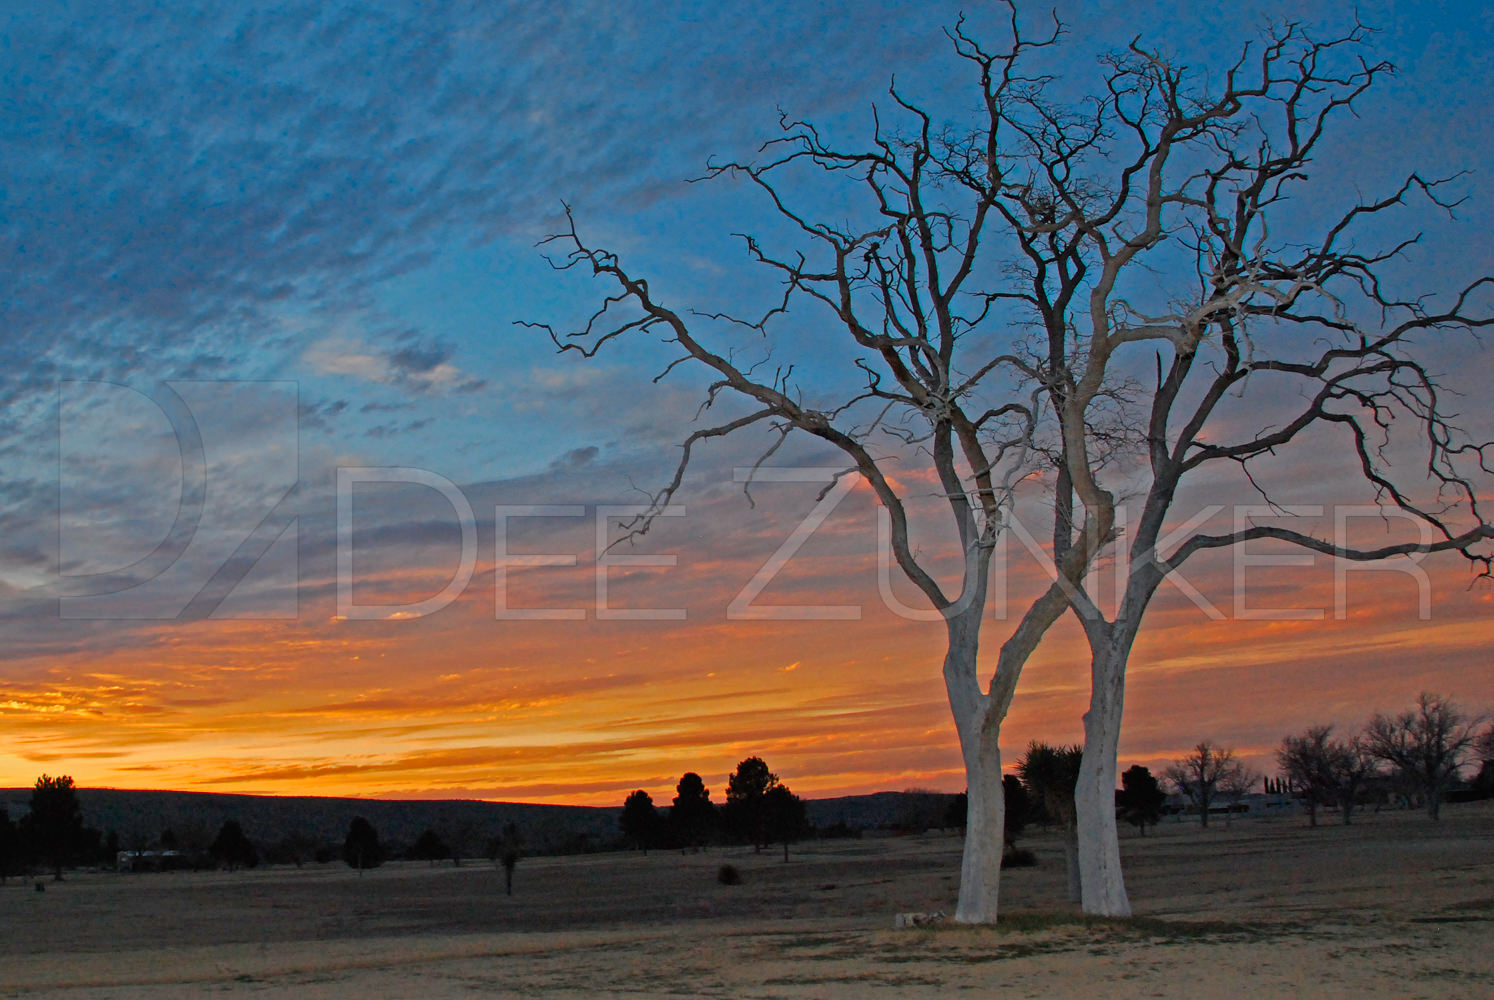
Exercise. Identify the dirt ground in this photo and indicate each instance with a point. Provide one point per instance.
(1394, 906)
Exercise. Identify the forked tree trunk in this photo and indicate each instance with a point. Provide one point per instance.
(1102, 883)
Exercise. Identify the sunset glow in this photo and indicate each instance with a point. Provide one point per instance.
(248, 253)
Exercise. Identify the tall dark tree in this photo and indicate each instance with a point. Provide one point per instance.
(784, 818)
(232, 849)
(361, 848)
(10, 845)
(692, 817)
(957, 813)
(745, 792)
(640, 820)
(53, 830)
(1018, 808)
(1141, 797)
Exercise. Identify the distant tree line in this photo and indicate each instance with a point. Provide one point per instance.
(759, 810)
(52, 836)
(1416, 757)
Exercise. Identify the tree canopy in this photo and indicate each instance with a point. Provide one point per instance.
(53, 828)
(429, 847)
(640, 820)
(361, 848)
(1141, 797)
(692, 816)
(784, 818)
(746, 801)
(232, 849)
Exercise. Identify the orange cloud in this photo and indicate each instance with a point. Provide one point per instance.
(462, 704)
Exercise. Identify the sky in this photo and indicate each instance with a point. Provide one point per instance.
(256, 256)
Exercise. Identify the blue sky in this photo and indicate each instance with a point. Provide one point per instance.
(339, 202)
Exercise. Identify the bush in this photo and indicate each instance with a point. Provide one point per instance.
(728, 875)
(838, 831)
(1018, 857)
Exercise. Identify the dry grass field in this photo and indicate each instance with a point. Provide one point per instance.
(1395, 906)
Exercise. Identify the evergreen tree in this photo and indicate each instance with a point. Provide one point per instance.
(232, 848)
(784, 819)
(692, 816)
(1141, 797)
(640, 820)
(53, 830)
(745, 792)
(362, 849)
(429, 847)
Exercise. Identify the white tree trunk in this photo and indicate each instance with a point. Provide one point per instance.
(1104, 887)
(978, 721)
(980, 867)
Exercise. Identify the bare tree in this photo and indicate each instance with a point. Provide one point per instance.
(1001, 281)
(1204, 774)
(1325, 770)
(1234, 786)
(1426, 745)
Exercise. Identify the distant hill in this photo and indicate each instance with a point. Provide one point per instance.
(139, 817)
(880, 810)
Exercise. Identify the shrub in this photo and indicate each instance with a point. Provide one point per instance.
(728, 875)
